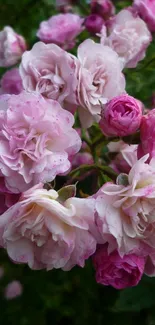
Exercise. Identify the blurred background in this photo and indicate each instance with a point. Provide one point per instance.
(74, 298)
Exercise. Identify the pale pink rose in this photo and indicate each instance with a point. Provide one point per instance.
(126, 210)
(11, 82)
(12, 47)
(116, 271)
(50, 71)
(125, 158)
(13, 290)
(129, 37)
(82, 158)
(121, 116)
(147, 135)
(46, 232)
(94, 23)
(104, 8)
(100, 79)
(36, 138)
(146, 10)
(61, 29)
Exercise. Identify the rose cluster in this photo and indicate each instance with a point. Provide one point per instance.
(66, 118)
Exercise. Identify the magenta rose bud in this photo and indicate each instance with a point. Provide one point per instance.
(121, 116)
(147, 135)
(103, 8)
(118, 272)
(11, 82)
(13, 290)
(94, 23)
(146, 10)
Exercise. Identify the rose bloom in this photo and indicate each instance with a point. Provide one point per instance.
(94, 23)
(99, 79)
(11, 82)
(12, 47)
(82, 158)
(104, 8)
(121, 116)
(61, 29)
(146, 10)
(126, 156)
(50, 71)
(147, 135)
(129, 37)
(126, 210)
(44, 233)
(118, 272)
(13, 290)
(36, 138)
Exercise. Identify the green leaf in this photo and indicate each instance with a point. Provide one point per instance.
(66, 192)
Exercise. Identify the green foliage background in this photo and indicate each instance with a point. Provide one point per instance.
(73, 298)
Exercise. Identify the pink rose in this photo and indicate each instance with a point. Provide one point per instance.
(147, 135)
(50, 71)
(125, 158)
(12, 47)
(13, 290)
(94, 23)
(100, 79)
(11, 82)
(129, 37)
(61, 29)
(36, 138)
(146, 10)
(46, 232)
(104, 8)
(121, 116)
(126, 209)
(118, 272)
(82, 158)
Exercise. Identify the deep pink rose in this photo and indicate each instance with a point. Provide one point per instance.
(11, 82)
(61, 29)
(13, 290)
(129, 37)
(37, 139)
(46, 231)
(12, 47)
(94, 23)
(104, 8)
(118, 272)
(50, 71)
(146, 10)
(147, 135)
(121, 116)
